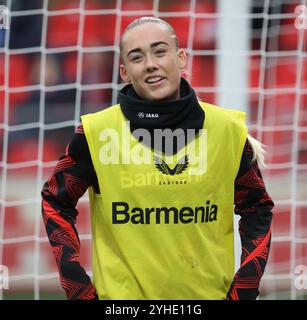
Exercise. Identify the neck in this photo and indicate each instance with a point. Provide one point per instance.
(183, 113)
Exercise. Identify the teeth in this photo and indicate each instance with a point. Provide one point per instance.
(155, 79)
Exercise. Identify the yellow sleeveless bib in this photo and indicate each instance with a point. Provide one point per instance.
(162, 227)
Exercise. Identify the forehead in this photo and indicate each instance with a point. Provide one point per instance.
(145, 34)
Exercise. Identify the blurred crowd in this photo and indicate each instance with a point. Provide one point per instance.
(65, 49)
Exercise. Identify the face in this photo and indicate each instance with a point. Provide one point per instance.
(151, 62)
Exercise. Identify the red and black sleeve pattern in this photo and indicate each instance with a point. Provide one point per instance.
(254, 205)
(69, 181)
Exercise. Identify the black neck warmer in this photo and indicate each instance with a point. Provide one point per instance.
(184, 113)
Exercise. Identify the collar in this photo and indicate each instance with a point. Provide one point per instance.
(184, 113)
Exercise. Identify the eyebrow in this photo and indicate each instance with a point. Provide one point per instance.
(153, 45)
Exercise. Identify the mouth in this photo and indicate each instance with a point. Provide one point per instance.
(154, 80)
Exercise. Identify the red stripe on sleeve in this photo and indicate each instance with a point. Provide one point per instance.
(257, 250)
(55, 216)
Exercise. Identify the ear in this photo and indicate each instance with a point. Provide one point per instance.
(182, 58)
(123, 73)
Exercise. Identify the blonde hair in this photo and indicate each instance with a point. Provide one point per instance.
(258, 150)
(143, 20)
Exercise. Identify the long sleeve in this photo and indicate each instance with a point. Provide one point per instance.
(254, 205)
(72, 176)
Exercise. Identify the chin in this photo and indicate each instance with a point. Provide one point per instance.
(159, 98)
(164, 97)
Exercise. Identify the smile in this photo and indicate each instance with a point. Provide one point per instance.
(155, 81)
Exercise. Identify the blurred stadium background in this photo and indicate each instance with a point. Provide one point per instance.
(59, 59)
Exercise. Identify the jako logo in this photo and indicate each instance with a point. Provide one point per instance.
(148, 115)
(165, 169)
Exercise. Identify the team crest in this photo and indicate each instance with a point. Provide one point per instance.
(180, 167)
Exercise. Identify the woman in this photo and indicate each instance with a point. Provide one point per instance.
(161, 213)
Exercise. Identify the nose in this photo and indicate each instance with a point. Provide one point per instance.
(151, 64)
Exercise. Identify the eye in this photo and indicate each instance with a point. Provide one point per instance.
(136, 58)
(160, 52)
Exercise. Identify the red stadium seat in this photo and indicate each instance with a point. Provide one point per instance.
(100, 5)
(27, 150)
(205, 34)
(303, 111)
(96, 35)
(279, 258)
(137, 5)
(61, 5)
(302, 153)
(19, 76)
(289, 35)
(203, 75)
(280, 72)
(19, 258)
(301, 223)
(182, 27)
(254, 71)
(19, 70)
(1, 69)
(23, 150)
(174, 6)
(52, 151)
(1, 107)
(14, 225)
(279, 145)
(278, 109)
(70, 66)
(281, 221)
(62, 30)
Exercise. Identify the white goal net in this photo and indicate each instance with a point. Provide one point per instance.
(60, 59)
